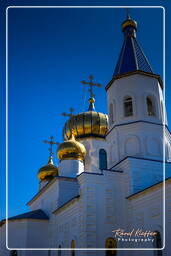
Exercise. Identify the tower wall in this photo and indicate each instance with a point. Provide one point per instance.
(140, 134)
(138, 87)
(93, 146)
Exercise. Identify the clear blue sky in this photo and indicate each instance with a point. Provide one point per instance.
(50, 52)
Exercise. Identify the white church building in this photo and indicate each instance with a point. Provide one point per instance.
(108, 190)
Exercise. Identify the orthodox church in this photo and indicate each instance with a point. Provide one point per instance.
(107, 196)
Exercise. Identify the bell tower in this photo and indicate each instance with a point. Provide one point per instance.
(137, 118)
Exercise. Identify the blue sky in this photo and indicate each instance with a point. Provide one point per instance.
(50, 52)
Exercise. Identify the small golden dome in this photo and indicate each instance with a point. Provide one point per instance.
(87, 124)
(129, 23)
(71, 149)
(48, 171)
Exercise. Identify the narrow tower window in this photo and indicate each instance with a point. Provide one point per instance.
(72, 248)
(110, 243)
(111, 117)
(102, 159)
(150, 106)
(128, 107)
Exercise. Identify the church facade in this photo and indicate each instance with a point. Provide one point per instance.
(108, 190)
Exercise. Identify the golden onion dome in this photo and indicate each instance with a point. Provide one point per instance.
(71, 150)
(87, 124)
(48, 171)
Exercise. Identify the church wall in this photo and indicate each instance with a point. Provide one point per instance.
(93, 145)
(61, 190)
(137, 139)
(46, 200)
(3, 249)
(37, 234)
(141, 173)
(65, 226)
(145, 210)
(17, 239)
(138, 87)
(100, 194)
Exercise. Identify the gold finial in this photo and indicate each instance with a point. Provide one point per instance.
(91, 84)
(70, 114)
(50, 160)
(72, 134)
(51, 142)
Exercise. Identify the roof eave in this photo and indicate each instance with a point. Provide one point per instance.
(116, 77)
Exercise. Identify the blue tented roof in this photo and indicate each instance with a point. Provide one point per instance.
(131, 57)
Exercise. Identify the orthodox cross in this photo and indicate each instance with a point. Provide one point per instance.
(128, 13)
(91, 84)
(51, 142)
(70, 114)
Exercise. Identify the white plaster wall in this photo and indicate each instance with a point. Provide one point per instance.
(70, 168)
(17, 234)
(138, 140)
(138, 86)
(47, 200)
(146, 210)
(37, 233)
(56, 193)
(3, 249)
(65, 225)
(93, 145)
(142, 173)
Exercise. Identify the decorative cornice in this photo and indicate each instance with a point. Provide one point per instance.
(72, 200)
(41, 191)
(134, 73)
(139, 158)
(134, 122)
(148, 188)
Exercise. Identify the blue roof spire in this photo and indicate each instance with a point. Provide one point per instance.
(131, 57)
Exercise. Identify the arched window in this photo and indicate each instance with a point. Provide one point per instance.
(128, 106)
(59, 251)
(111, 116)
(157, 244)
(111, 243)
(73, 248)
(150, 106)
(13, 253)
(102, 159)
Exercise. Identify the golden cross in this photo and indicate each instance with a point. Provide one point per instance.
(128, 13)
(91, 84)
(51, 142)
(70, 114)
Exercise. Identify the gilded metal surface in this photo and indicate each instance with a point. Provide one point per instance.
(95, 123)
(103, 124)
(86, 124)
(129, 23)
(47, 171)
(71, 149)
